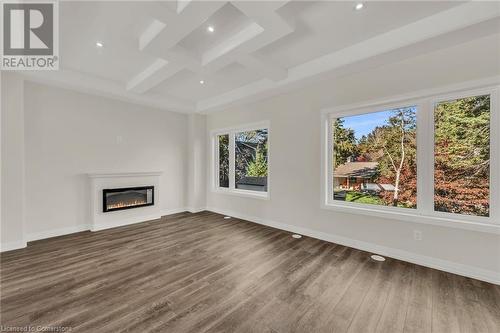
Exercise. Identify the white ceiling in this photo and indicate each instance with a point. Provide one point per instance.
(156, 53)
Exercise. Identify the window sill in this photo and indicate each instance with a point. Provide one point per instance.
(415, 217)
(243, 193)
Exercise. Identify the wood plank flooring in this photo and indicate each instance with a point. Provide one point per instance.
(202, 273)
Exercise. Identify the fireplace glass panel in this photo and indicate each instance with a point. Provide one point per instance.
(126, 198)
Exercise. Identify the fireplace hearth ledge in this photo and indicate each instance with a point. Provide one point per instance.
(100, 220)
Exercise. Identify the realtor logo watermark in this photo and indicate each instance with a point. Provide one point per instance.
(30, 35)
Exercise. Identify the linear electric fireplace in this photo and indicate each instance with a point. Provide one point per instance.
(127, 198)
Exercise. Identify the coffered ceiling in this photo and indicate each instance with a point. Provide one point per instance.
(200, 56)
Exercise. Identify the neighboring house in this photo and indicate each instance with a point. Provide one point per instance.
(352, 175)
(252, 183)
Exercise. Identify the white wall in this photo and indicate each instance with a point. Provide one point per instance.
(196, 163)
(295, 162)
(69, 134)
(12, 162)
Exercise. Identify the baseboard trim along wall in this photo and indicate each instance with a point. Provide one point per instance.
(439, 264)
(4, 247)
(166, 212)
(57, 232)
(195, 210)
(133, 220)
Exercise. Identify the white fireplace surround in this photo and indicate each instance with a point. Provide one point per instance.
(99, 181)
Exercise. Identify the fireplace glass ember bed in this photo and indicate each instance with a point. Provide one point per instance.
(127, 198)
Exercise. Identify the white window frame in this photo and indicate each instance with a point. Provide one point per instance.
(231, 190)
(424, 213)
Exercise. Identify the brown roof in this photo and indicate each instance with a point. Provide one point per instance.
(356, 169)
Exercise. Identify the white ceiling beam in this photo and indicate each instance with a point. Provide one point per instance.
(152, 76)
(264, 15)
(136, 82)
(150, 33)
(243, 36)
(181, 24)
(182, 4)
(159, 40)
(456, 18)
(264, 67)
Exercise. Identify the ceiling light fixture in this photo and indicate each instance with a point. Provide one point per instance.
(99, 44)
(202, 82)
(227, 217)
(210, 28)
(296, 236)
(359, 6)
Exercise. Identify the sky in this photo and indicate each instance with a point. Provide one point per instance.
(365, 123)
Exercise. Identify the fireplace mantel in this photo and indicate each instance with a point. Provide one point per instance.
(100, 220)
(124, 174)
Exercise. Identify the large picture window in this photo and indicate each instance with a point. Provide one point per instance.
(374, 158)
(462, 156)
(242, 160)
(432, 159)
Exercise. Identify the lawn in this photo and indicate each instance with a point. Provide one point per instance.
(359, 197)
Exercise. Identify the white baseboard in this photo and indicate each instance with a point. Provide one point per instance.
(439, 264)
(120, 223)
(196, 210)
(182, 210)
(71, 230)
(12, 245)
(56, 232)
(165, 212)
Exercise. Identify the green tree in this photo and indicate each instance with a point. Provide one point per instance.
(247, 144)
(462, 155)
(344, 143)
(258, 166)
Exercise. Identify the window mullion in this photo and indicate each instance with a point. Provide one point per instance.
(494, 156)
(217, 162)
(425, 158)
(231, 161)
(329, 163)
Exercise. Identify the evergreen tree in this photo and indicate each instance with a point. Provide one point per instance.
(344, 143)
(258, 166)
(462, 156)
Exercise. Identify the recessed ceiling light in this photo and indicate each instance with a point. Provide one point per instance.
(227, 217)
(99, 44)
(210, 28)
(296, 236)
(359, 6)
(202, 82)
(376, 257)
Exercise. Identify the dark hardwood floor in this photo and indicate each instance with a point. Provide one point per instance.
(202, 273)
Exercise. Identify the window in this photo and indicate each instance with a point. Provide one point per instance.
(462, 156)
(242, 160)
(432, 159)
(223, 142)
(374, 158)
(251, 160)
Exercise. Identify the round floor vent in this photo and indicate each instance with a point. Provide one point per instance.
(376, 257)
(296, 236)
